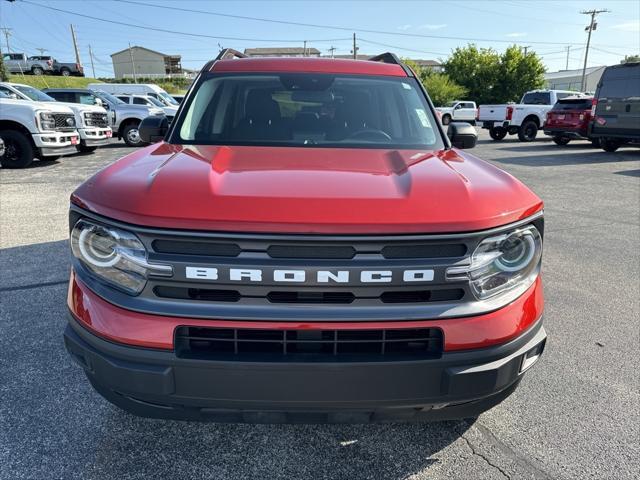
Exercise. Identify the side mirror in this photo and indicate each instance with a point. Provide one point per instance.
(97, 102)
(458, 106)
(462, 135)
(153, 128)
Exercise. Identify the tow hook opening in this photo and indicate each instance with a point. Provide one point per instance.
(531, 357)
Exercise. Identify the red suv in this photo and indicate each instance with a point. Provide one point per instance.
(305, 243)
(569, 120)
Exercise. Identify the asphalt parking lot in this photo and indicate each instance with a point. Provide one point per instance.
(575, 416)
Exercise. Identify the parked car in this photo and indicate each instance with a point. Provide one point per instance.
(136, 89)
(60, 68)
(35, 129)
(170, 112)
(305, 242)
(569, 119)
(124, 118)
(92, 121)
(18, 63)
(524, 118)
(616, 107)
(458, 111)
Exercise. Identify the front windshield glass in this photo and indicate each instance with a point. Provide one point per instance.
(109, 98)
(168, 99)
(34, 93)
(305, 109)
(452, 104)
(156, 102)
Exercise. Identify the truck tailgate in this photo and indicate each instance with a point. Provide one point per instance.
(492, 113)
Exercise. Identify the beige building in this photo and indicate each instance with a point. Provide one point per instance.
(571, 79)
(282, 52)
(146, 62)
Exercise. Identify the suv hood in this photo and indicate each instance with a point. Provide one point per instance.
(306, 190)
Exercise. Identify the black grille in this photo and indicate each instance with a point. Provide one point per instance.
(309, 296)
(197, 248)
(96, 119)
(308, 345)
(63, 123)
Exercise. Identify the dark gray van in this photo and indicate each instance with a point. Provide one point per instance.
(616, 107)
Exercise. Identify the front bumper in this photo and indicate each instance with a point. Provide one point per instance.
(95, 137)
(56, 143)
(158, 384)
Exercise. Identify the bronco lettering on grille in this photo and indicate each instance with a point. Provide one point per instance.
(301, 276)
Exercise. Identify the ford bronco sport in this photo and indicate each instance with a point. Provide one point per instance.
(305, 243)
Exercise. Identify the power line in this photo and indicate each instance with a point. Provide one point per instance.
(174, 32)
(331, 27)
(396, 47)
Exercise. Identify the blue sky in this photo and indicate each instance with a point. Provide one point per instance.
(415, 28)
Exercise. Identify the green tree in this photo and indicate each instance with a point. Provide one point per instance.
(493, 78)
(439, 86)
(442, 89)
(518, 74)
(476, 69)
(4, 75)
(631, 59)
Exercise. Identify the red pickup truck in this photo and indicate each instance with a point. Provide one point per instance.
(305, 243)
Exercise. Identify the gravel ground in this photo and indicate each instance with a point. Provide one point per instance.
(575, 416)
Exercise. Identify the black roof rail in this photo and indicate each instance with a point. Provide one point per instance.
(388, 57)
(230, 53)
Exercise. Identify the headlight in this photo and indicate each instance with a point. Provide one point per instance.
(115, 256)
(47, 121)
(502, 263)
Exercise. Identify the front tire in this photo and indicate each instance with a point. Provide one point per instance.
(561, 140)
(446, 119)
(497, 133)
(609, 144)
(65, 72)
(131, 135)
(528, 131)
(18, 149)
(37, 71)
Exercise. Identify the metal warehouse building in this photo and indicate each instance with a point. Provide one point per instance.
(572, 79)
(144, 62)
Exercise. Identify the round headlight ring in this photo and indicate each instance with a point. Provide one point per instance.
(527, 246)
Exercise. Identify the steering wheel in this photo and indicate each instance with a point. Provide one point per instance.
(370, 134)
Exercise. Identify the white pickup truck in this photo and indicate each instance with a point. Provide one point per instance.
(524, 118)
(458, 111)
(35, 129)
(92, 121)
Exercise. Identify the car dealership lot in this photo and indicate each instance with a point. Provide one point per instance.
(574, 416)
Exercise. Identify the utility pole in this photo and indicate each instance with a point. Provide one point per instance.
(331, 50)
(592, 26)
(355, 48)
(75, 46)
(93, 69)
(7, 34)
(304, 50)
(566, 67)
(41, 50)
(526, 49)
(133, 65)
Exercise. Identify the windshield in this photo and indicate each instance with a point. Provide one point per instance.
(452, 104)
(169, 100)
(34, 93)
(109, 98)
(155, 101)
(305, 109)
(573, 104)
